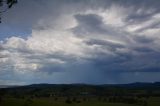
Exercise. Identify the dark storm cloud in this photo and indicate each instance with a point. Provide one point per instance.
(143, 50)
(90, 41)
(143, 39)
(89, 23)
(93, 24)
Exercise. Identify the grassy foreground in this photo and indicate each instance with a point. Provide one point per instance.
(152, 101)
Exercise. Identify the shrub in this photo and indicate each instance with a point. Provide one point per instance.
(28, 102)
(74, 99)
(78, 101)
(68, 101)
(56, 99)
(84, 99)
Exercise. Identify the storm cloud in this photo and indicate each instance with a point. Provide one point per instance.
(79, 41)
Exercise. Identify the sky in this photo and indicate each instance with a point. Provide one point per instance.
(80, 41)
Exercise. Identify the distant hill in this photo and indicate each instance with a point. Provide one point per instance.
(7, 86)
(131, 85)
(45, 85)
(46, 90)
(137, 85)
(4, 86)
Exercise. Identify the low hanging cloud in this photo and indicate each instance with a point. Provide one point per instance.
(105, 38)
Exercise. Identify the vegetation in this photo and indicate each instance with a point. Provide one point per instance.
(81, 95)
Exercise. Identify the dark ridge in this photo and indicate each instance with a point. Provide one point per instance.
(46, 85)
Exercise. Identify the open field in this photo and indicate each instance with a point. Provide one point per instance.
(152, 101)
(51, 102)
(81, 95)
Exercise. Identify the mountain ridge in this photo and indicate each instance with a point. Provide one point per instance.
(130, 85)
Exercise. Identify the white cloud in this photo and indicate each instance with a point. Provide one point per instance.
(116, 37)
(52, 38)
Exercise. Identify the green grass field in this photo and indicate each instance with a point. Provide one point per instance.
(153, 101)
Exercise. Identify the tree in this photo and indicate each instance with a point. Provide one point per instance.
(5, 5)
